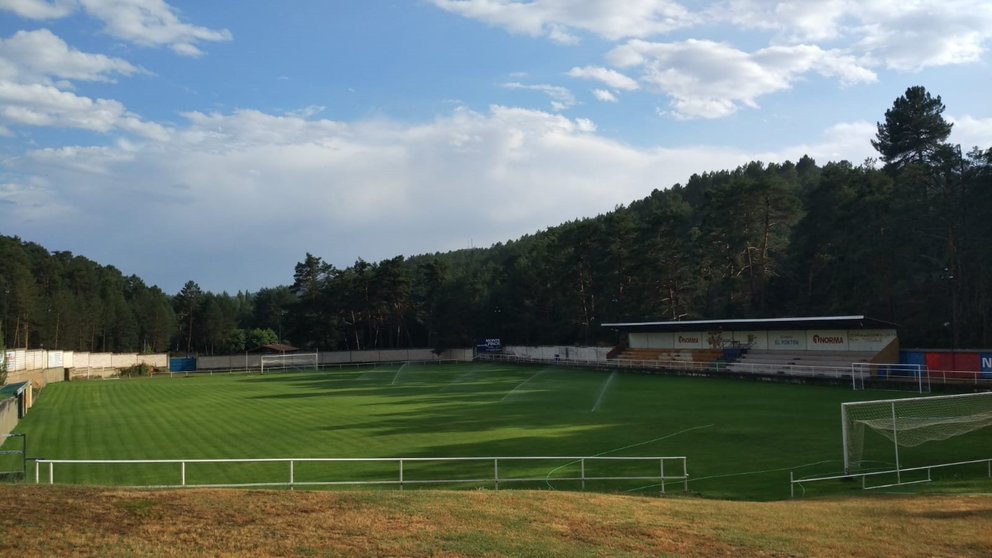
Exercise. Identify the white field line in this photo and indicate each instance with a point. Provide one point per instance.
(521, 384)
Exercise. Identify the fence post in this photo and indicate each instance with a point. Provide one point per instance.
(292, 473)
(37, 471)
(792, 487)
(401, 474)
(182, 473)
(51, 472)
(582, 472)
(662, 461)
(496, 471)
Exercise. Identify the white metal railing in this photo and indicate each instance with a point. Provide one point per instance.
(679, 474)
(898, 472)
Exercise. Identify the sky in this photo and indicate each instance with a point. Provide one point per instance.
(221, 142)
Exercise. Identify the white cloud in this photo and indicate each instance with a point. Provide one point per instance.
(46, 105)
(969, 132)
(706, 79)
(554, 18)
(610, 78)
(845, 40)
(561, 97)
(39, 9)
(150, 23)
(905, 36)
(821, 20)
(225, 188)
(605, 96)
(38, 56)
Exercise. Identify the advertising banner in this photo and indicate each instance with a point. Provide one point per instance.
(826, 340)
(689, 340)
(787, 340)
(873, 340)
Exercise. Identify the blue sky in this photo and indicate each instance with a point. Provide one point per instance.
(222, 141)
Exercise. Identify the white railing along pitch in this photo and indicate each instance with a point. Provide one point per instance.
(679, 474)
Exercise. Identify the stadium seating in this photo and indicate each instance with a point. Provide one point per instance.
(791, 362)
(674, 356)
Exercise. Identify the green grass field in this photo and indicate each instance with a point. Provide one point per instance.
(741, 438)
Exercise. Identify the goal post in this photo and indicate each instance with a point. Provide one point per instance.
(911, 422)
(289, 361)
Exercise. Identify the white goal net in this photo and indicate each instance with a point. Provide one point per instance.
(289, 361)
(912, 422)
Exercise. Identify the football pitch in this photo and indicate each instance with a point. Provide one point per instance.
(741, 438)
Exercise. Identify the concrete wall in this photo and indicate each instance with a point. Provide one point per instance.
(42, 367)
(38, 378)
(8, 415)
(331, 358)
(585, 354)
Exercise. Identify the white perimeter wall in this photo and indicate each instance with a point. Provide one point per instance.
(796, 340)
(588, 354)
(248, 361)
(19, 360)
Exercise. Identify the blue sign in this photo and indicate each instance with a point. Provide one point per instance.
(490, 346)
(182, 364)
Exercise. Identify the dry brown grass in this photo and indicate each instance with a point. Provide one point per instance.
(46, 521)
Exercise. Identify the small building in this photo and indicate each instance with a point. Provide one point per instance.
(24, 392)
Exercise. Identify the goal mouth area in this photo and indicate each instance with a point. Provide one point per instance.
(911, 422)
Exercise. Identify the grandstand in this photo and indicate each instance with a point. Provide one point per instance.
(811, 346)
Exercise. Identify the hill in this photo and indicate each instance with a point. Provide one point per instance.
(47, 521)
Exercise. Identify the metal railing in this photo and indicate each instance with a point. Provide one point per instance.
(676, 472)
(897, 472)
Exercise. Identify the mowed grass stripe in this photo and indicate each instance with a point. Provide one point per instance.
(759, 430)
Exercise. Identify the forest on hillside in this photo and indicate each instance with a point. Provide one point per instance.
(906, 238)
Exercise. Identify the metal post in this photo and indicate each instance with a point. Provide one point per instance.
(37, 471)
(843, 433)
(792, 487)
(51, 472)
(582, 472)
(895, 442)
(496, 471)
(292, 473)
(182, 473)
(685, 478)
(662, 461)
(401, 474)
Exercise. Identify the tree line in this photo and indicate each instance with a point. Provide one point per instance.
(905, 238)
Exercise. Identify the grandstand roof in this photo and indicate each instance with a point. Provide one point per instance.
(815, 322)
